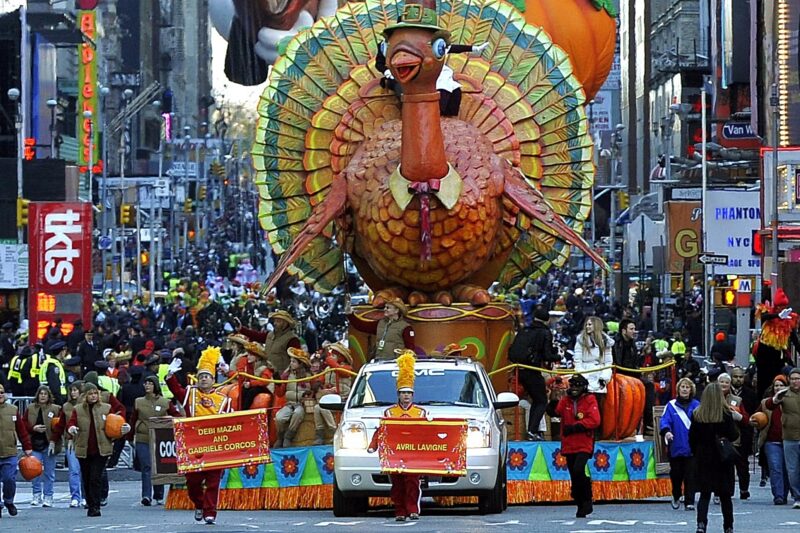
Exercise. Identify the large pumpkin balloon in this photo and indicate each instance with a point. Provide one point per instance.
(622, 407)
(30, 467)
(585, 29)
(114, 426)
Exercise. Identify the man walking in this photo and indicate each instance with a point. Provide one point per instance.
(12, 429)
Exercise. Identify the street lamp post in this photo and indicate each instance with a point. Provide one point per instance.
(773, 101)
(51, 104)
(14, 96)
(104, 216)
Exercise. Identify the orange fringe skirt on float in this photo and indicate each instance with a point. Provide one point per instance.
(519, 492)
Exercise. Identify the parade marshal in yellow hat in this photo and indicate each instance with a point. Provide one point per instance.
(406, 489)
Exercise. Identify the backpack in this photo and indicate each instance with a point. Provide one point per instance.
(520, 350)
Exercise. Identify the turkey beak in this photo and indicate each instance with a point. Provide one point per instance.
(405, 65)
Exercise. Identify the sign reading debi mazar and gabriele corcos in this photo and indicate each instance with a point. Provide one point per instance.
(222, 441)
(60, 265)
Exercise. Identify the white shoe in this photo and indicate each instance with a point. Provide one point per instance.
(158, 502)
(796, 505)
(210, 520)
(75, 503)
(36, 501)
(48, 501)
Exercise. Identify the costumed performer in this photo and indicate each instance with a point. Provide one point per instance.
(392, 331)
(778, 329)
(200, 400)
(406, 488)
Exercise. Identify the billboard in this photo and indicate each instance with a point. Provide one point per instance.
(731, 219)
(684, 224)
(60, 243)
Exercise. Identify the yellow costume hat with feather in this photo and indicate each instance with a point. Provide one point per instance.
(208, 360)
(405, 373)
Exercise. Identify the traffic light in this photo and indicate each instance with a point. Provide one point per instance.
(623, 200)
(22, 212)
(202, 192)
(125, 213)
(729, 296)
(187, 206)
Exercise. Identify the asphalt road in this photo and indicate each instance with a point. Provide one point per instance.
(124, 513)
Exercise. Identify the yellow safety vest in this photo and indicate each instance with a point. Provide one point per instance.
(14, 368)
(162, 381)
(108, 383)
(62, 375)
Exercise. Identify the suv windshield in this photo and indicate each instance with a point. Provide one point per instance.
(431, 387)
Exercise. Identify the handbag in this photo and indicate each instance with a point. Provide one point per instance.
(727, 453)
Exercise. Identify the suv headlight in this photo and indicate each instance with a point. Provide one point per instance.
(352, 436)
(479, 436)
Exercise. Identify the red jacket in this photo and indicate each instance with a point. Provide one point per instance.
(582, 411)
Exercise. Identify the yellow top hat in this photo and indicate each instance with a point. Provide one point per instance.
(405, 373)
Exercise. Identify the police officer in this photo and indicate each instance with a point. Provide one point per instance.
(6, 345)
(72, 365)
(23, 372)
(52, 372)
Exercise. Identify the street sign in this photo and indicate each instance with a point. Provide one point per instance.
(713, 259)
(745, 285)
(104, 242)
(161, 189)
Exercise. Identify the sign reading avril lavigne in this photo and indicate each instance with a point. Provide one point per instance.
(419, 446)
(222, 441)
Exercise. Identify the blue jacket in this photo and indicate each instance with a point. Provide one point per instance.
(670, 421)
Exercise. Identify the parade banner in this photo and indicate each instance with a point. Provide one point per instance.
(419, 446)
(222, 441)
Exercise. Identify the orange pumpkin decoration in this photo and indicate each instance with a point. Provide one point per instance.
(586, 33)
(760, 419)
(30, 467)
(622, 407)
(232, 391)
(55, 422)
(114, 425)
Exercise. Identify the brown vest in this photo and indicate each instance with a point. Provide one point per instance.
(99, 411)
(391, 332)
(8, 430)
(50, 413)
(147, 407)
(276, 349)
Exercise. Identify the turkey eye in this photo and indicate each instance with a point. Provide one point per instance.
(439, 47)
(383, 48)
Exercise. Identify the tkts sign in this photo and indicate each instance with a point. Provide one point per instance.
(59, 237)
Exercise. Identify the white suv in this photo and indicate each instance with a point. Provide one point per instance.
(446, 388)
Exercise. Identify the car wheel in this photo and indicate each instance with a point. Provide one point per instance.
(344, 505)
(493, 500)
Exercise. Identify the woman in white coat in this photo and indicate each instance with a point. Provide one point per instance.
(593, 351)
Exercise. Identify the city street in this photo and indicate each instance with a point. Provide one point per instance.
(124, 513)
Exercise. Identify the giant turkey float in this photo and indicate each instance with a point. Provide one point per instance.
(434, 207)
